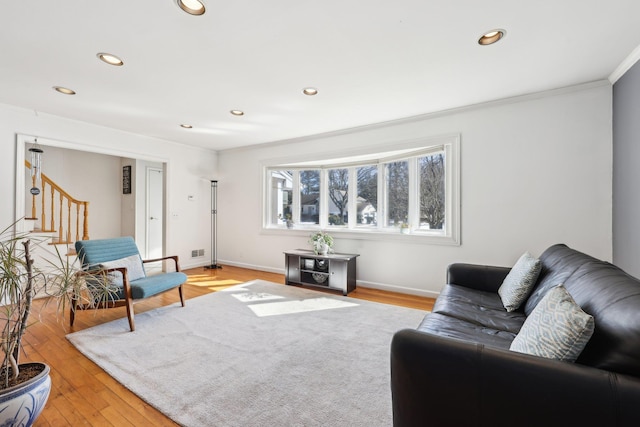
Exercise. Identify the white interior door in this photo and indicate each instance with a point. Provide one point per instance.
(154, 213)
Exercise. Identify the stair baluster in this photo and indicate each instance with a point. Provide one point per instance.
(64, 215)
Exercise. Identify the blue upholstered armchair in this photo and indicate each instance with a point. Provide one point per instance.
(120, 260)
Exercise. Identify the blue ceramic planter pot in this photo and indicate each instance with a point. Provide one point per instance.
(20, 405)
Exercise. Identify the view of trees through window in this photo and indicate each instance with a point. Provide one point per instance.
(397, 190)
(432, 194)
(367, 203)
(310, 196)
(409, 192)
(338, 182)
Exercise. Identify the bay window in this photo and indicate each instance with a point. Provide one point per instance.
(414, 189)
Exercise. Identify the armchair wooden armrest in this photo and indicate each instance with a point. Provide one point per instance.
(173, 257)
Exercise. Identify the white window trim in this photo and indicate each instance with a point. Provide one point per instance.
(450, 235)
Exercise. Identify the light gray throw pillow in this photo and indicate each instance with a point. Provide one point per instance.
(518, 284)
(133, 263)
(556, 329)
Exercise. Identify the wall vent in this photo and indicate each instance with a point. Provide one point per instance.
(197, 253)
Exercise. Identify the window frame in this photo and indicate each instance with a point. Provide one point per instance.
(380, 156)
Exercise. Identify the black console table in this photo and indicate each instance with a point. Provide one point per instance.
(332, 271)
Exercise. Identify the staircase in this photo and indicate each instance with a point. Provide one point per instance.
(57, 213)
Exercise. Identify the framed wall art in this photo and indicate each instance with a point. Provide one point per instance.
(126, 179)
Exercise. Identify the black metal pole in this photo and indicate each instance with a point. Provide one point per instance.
(214, 226)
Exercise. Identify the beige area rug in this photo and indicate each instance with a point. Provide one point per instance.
(258, 354)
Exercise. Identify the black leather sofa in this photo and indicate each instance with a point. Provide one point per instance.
(456, 369)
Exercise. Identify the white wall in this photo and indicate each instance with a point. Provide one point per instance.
(536, 170)
(188, 171)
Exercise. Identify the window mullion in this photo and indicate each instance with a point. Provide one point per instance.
(353, 198)
(413, 216)
(295, 202)
(323, 220)
(383, 200)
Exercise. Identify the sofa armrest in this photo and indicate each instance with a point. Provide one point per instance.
(485, 278)
(446, 382)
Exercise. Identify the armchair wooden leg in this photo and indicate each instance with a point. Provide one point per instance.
(181, 295)
(130, 314)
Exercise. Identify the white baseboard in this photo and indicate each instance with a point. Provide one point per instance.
(253, 267)
(360, 283)
(398, 289)
(194, 264)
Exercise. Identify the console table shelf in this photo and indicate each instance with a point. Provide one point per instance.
(332, 271)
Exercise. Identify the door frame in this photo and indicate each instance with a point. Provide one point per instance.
(20, 196)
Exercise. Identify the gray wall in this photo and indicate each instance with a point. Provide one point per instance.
(626, 171)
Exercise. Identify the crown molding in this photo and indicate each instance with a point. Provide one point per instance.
(426, 116)
(628, 62)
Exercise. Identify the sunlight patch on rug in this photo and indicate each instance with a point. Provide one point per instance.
(301, 306)
(255, 296)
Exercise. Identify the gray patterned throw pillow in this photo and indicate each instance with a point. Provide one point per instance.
(556, 329)
(518, 284)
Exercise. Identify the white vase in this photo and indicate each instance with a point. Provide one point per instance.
(324, 249)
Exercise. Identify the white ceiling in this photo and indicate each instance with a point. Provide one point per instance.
(371, 60)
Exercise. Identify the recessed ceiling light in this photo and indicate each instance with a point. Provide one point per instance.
(237, 112)
(64, 90)
(110, 59)
(192, 7)
(186, 126)
(310, 91)
(491, 37)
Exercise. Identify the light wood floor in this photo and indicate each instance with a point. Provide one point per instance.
(84, 395)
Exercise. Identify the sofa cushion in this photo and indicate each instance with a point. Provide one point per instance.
(558, 263)
(153, 285)
(518, 284)
(481, 308)
(612, 297)
(451, 327)
(556, 329)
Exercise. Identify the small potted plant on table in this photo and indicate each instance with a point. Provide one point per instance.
(322, 243)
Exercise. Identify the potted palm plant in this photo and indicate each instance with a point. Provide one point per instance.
(24, 388)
